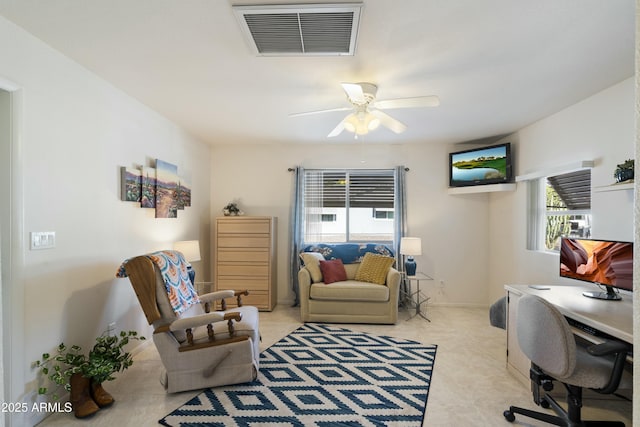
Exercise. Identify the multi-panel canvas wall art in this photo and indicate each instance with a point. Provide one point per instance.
(159, 188)
(130, 180)
(148, 199)
(166, 195)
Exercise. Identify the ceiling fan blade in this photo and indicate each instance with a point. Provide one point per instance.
(337, 130)
(389, 122)
(354, 92)
(414, 102)
(308, 113)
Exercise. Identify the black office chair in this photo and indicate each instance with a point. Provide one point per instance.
(546, 339)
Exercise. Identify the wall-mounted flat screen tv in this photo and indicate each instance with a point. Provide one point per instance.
(480, 166)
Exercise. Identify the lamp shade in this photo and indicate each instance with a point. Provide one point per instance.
(411, 246)
(189, 248)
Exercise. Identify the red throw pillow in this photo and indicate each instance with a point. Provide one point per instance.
(333, 271)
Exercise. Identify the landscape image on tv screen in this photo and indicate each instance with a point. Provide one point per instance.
(480, 166)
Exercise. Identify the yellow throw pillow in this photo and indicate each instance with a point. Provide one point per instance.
(374, 268)
(312, 260)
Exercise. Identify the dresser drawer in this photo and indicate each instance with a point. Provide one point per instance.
(243, 226)
(243, 256)
(243, 241)
(240, 284)
(243, 270)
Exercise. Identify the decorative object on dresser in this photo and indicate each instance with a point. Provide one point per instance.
(410, 246)
(245, 257)
(232, 209)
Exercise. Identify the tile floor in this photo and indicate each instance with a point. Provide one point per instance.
(470, 384)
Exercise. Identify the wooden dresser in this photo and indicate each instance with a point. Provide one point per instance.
(245, 258)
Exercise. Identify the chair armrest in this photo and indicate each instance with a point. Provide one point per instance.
(304, 285)
(195, 321)
(207, 319)
(304, 277)
(609, 347)
(216, 295)
(620, 349)
(207, 299)
(393, 278)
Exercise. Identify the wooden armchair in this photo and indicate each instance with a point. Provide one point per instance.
(199, 348)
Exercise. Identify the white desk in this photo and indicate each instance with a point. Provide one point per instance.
(614, 318)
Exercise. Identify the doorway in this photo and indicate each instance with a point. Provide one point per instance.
(5, 227)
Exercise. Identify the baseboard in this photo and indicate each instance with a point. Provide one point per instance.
(141, 347)
(458, 305)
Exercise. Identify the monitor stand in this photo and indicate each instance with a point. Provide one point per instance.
(609, 295)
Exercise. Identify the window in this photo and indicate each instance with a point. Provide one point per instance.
(382, 213)
(328, 217)
(348, 198)
(561, 206)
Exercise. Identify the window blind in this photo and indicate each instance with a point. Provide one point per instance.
(356, 189)
(573, 188)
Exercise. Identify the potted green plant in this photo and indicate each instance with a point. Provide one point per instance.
(624, 171)
(82, 375)
(231, 209)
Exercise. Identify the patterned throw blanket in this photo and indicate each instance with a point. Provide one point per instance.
(173, 269)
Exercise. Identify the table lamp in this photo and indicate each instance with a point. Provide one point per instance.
(191, 251)
(410, 246)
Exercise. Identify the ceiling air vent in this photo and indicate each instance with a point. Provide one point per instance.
(305, 29)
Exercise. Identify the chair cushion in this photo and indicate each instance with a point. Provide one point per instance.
(312, 260)
(374, 268)
(349, 290)
(333, 271)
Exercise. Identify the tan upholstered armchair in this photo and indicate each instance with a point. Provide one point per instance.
(199, 348)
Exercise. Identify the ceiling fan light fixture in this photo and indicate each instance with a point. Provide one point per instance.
(351, 123)
(362, 129)
(372, 122)
(361, 123)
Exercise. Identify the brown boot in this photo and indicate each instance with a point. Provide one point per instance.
(83, 404)
(100, 395)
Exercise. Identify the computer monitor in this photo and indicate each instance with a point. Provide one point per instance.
(603, 262)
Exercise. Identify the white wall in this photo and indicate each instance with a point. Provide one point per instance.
(600, 128)
(453, 228)
(75, 133)
(473, 242)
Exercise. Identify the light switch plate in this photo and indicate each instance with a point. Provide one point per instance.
(42, 240)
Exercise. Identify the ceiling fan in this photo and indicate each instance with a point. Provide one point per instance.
(367, 115)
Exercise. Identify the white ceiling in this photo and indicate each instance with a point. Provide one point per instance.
(497, 65)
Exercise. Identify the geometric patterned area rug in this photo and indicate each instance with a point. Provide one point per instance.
(321, 375)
